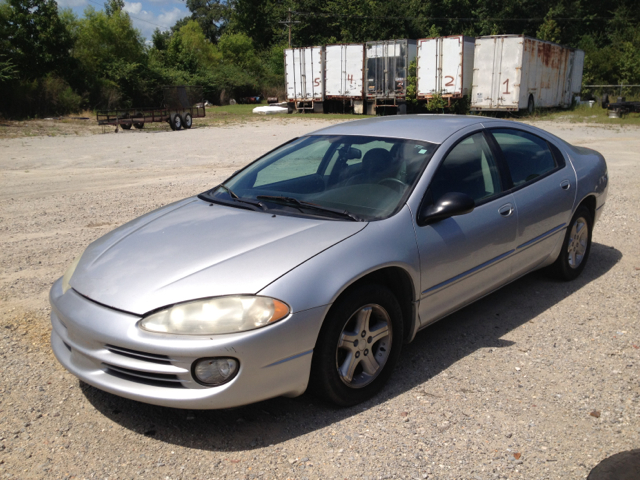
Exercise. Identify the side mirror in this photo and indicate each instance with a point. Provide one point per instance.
(449, 205)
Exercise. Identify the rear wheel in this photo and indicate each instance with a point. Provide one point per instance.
(188, 121)
(138, 125)
(126, 126)
(531, 105)
(358, 346)
(576, 246)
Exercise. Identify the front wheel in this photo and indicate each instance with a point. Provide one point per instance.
(576, 246)
(176, 123)
(358, 346)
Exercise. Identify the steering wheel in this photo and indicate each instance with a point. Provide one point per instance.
(394, 183)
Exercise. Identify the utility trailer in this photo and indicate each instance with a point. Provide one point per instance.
(181, 105)
(344, 77)
(304, 78)
(445, 67)
(386, 71)
(515, 72)
(620, 107)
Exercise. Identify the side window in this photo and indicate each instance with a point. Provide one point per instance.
(469, 168)
(527, 156)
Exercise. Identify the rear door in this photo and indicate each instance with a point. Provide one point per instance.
(544, 188)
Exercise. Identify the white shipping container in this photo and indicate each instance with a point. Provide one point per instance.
(445, 66)
(514, 72)
(304, 74)
(344, 71)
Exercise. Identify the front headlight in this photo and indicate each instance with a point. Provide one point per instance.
(231, 314)
(69, 273)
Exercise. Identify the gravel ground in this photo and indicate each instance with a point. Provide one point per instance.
(537, 381)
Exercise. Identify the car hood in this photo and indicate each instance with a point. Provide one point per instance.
(191, 249)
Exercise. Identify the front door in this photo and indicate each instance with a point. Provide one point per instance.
(466, 256)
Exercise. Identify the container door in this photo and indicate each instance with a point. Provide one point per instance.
(353, 70)
(507, 87)
(484, 72)
(317, 73)
(307, 54)
(397, 79)
(427, 66)
(290, 72)
(451, 61)
(333, 70)
(375, 69)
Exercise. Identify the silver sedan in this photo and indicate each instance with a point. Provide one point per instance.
(311, 267)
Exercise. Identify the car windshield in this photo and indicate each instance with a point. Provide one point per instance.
(341, 177)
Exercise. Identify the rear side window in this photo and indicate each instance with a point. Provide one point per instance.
(528, 157)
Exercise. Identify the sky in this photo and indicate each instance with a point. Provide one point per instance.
(146, 15)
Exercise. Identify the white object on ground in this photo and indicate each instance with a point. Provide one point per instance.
(270, 110)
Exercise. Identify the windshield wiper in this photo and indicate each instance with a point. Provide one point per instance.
(236, 198)
(302, 204)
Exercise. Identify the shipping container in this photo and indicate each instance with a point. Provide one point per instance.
(344, 76)
(515, 72)
(445, 67)
(304, 78)
(387, 66)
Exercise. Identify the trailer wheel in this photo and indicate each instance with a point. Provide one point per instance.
(126, 126)
(138, 125)
(188, 121)
(605, 101)
(531, 106)
(176, 123)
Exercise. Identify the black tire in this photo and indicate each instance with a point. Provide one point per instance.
(176, 122)
(531, 105)
(188, 121)
(605, 101)
(138, 125)
(125, 126)
(367, 309)
(575, 247)
(621, 466)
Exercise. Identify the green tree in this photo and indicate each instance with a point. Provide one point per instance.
(36, 41)
(211, 15)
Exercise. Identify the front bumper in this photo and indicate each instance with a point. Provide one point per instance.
(104, 348)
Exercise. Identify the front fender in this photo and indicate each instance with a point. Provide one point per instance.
(320, 280)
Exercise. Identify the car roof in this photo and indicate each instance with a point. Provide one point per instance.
(429, 128)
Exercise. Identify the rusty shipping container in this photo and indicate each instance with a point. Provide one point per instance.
(304, 77)
(445, 67)
(515, 72)
(387, 68)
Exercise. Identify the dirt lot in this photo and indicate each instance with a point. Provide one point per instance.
(536, 381)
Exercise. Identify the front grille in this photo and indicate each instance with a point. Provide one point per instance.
(147, 378)
(147, 357)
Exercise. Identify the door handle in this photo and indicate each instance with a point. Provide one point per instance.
(506, 210)
(565, 185)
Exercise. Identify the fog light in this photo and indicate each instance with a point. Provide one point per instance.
(215, 371)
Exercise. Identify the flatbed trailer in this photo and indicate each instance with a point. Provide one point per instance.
(181, 105)
(137, 117)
